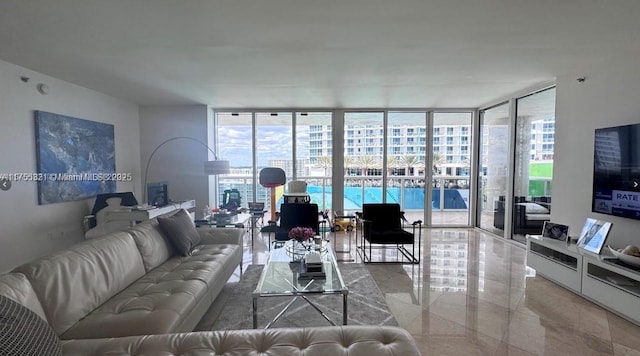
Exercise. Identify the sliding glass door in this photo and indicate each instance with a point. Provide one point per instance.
(534, 147)
(406, 157)
(493, 168)
(450, 200)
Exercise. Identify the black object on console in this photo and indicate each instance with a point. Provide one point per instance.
(158, 194)
(128, 199)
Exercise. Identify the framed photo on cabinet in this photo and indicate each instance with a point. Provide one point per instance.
(555, 231)
(594, 234)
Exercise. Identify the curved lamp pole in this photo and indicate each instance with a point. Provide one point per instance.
(214, 167)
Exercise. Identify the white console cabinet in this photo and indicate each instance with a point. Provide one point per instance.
(613, 286)
(600, 278)
(132, 214)
(555, 260)
(116, 218)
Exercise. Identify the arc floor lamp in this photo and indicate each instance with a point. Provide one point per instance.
(215, 167)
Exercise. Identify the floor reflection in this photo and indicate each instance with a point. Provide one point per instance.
(473, 295)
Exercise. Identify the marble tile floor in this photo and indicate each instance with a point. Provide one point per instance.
(473, 295)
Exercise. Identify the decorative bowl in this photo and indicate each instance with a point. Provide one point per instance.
(628, 259)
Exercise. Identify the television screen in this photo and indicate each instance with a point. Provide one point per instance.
(616, 171)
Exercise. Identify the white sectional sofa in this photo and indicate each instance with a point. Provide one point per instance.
(128, 293)
(316, 341)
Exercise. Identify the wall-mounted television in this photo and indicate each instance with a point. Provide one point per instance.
(616, 171)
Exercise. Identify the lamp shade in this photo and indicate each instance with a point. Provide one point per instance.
(272, 177)
(216, 167)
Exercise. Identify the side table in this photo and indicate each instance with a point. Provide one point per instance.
(238, 220)
(348, 232)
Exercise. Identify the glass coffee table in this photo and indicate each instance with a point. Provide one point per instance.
(279, 278)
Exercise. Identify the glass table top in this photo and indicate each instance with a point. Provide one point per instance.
(280, 275)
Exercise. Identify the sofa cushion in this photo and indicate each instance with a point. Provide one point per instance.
(383, 216)
(150, 306)
(221, 235)
(160, 301)
(181, 231)
(154, 247)
(348, 340)
(23, 332)
(398, 236)
(533, 208)
(72, 283)
(17, 287)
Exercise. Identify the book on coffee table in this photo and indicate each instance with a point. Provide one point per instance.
(311, 267)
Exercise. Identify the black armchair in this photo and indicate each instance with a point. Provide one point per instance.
(382, 225)
(293, 215)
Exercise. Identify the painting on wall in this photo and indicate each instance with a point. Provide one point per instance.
(74, 157)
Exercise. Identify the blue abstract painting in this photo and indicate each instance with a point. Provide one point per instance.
(72, 157)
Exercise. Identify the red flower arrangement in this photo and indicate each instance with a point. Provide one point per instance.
(301, 234)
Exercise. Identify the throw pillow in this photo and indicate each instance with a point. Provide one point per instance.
(181, 231)
(23, 332)
(533, 208)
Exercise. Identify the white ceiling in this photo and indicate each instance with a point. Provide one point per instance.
(315, 54)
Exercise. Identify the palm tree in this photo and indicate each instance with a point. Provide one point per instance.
(349, 162)
(392, 163)
(324, 162)
(438, 160)
(366, 162)
(466, 163)
(410, 162)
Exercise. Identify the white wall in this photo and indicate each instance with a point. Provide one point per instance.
(29, 230)
(179, 162)
(610, 96)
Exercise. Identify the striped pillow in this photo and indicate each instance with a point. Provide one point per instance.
(23, 332)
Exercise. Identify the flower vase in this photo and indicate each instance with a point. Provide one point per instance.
(296, 249)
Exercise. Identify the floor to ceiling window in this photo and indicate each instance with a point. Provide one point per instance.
(452, 142)
(274, 142)
(235, 144)
(493, 167)
(363, 154)
(385, 153)
(534, 147)
(274, 147)
(314, 149)
(253, 140)
(406, 150)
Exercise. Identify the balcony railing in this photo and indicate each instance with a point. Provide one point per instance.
(449, 193)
